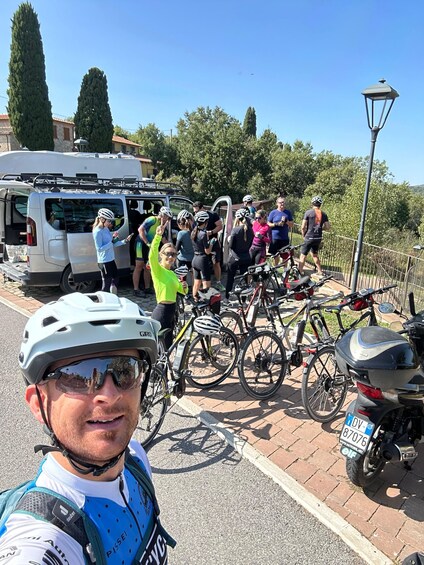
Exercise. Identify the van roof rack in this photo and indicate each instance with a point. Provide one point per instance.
(125, 185)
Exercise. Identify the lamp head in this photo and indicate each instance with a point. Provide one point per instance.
(380, 95)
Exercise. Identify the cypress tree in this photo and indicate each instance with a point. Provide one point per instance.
(93, 118)
(249, 124)
(29, 107)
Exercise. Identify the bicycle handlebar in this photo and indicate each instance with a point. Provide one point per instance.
(367, 292)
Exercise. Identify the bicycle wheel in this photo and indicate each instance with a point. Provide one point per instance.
(262, 364)
(153, 407)
(212, 358)
(232, 321)
(324, 388)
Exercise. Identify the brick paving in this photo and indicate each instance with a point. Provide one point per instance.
(390, 514)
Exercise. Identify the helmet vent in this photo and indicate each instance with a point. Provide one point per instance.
(104, 322)
(50, 320)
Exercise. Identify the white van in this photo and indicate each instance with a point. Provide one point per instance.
(46, 228)
(29, 164)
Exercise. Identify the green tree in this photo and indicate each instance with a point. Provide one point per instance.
(293, 169)
(215, 156)
(152, 141)
(93, 118)
(29, 107)
(118, 130)
(249, 124)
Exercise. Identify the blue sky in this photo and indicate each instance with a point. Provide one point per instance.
(302, 65)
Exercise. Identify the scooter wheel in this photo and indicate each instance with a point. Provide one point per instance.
(364, 470)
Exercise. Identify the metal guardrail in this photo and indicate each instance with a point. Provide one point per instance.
(379, 267)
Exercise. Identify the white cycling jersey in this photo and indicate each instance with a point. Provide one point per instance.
(120, 509)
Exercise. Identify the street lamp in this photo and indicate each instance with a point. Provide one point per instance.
(81, 144)
(380, 95)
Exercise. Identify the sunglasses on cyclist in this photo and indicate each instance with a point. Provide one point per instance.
(171, 254)
(88, 376)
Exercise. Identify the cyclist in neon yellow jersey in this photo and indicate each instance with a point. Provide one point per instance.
(165, 281)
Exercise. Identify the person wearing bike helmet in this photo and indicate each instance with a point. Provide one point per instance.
(146, 233)
(85, 385)
(248, 202)
(280, 221)
(313, 223)
(166, 283)
(104, 242)
(214, 226)
(202, 247)
(240, 241)
(184, 243)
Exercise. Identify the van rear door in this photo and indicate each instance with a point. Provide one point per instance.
(79, 215)
(224, 208)
(13, 212)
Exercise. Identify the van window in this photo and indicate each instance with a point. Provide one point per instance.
(54, 213)
(177, 205)
(81, 213)
(20, 207)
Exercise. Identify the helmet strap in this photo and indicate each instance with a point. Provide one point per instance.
(81, 466)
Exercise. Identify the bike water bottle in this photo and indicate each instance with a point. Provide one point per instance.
(252, 313)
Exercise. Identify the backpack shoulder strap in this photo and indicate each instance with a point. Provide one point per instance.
(53, 508)
(145, 481)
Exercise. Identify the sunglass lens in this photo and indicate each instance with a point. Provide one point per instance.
(89, 375)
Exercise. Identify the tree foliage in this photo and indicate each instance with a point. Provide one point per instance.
(249, 124)
(93, 118)
(29, 107)
(152, 142)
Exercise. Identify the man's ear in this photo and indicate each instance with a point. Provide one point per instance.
(33, 402)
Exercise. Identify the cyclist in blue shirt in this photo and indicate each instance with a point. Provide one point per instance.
(279, 220)
(85, 385)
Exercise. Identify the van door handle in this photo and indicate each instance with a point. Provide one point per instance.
(60, 238)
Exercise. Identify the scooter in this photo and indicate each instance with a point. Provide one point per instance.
(386, 420)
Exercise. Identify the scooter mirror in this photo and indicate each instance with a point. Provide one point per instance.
(386, 308)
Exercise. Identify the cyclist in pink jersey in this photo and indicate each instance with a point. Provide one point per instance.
(262, 237)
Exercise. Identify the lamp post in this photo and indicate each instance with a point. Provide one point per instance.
(81, 144)
(380, 95)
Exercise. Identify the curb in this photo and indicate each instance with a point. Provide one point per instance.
(297, 492)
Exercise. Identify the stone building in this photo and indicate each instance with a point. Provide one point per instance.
(63, 135)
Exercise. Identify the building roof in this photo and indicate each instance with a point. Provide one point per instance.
(60, 120)
(124, 141)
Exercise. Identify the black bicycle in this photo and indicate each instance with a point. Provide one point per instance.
(324, 387)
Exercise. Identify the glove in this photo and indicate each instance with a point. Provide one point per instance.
(212, 241)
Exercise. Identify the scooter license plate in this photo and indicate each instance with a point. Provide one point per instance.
(356, 433)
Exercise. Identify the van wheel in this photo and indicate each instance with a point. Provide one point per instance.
(68, 285)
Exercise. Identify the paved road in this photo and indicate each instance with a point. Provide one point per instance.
(220, 508)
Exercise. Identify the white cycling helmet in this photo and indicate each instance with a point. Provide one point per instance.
(184, 215)
(165, 211)
(208, 325)
(201, 217)
(316, 200)
(242, 213)
(84, 324)
(248, 198)
(106, 214)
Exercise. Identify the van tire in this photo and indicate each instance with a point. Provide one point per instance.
(67, 284)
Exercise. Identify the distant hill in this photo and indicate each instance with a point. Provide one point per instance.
(418, 188)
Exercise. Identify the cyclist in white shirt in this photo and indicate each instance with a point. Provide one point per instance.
(86, 360)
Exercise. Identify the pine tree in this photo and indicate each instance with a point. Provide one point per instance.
(93, 118)
(29, 107)
(249, 124)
